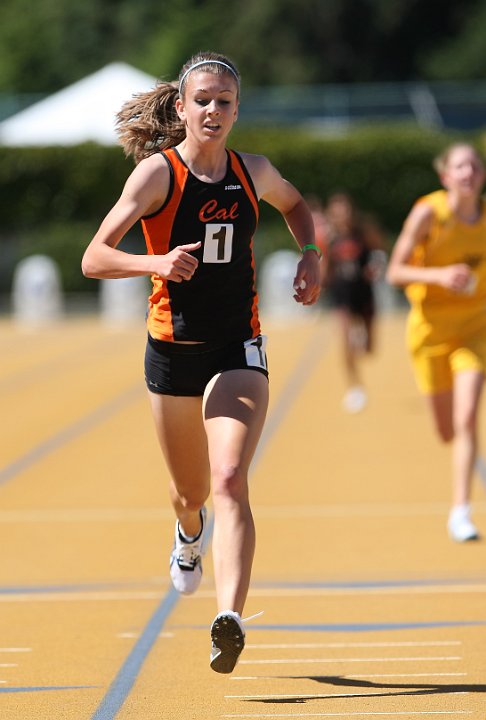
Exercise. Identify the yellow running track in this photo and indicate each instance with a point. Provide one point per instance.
(369, 609)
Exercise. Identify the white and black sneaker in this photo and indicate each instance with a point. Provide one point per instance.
(185, 559)
(228, 640)
(460, 526)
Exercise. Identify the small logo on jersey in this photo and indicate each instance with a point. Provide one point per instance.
(232, 187)
(210, 212)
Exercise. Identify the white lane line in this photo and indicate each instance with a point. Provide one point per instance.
(86, 515)
(373, 590)
(318, 696)
(350, 714)
(78, 596)
(15, 649)
(69, 515)
(361, 676)
(285, 646)
(409, 675)
(308, 661)
(353, 510)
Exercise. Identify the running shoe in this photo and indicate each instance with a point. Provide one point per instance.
(460, 526)
(185, 559)
(228, 640)
(355, 400)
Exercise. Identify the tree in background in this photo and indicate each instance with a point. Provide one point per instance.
(461, 56)
(49, 44)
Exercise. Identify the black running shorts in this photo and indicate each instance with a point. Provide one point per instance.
(186, 369)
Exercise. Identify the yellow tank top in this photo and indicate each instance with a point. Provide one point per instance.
(451, 241)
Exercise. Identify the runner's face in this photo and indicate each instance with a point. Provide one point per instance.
(340, 212)
(464, 172)
(210, 105)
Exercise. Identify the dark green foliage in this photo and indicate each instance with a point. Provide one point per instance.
(40, 185)
(48, 44)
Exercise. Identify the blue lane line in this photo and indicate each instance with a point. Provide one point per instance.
(41, 688)
(302, 585)
(71, 432)
(123, 683)
(300, 374)
(359, 627)
(370, 627)
(370, 584)
(72, 588)
(481, 469)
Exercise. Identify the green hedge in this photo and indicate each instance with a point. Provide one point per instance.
(384, 168)
(53, 199)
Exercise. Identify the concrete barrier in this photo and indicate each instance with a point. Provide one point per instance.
(36, 292)
(275, 287)
(124, 301)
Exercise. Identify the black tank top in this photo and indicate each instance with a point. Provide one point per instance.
(220, 300)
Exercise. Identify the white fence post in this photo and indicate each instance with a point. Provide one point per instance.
(124, 301)
(276, 290)
(36, 291)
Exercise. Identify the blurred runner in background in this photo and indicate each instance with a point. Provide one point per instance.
(354, 258)
(440, 258)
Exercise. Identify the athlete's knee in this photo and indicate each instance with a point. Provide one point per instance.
(465, 424)
(446, 437)
(192, 503)
(229, 481)
(444, 426)
(191, 499)
(445, 433)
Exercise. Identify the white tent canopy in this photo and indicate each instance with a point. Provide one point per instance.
(82, 112)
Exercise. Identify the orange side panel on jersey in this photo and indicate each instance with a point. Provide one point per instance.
(248, 189)
(157, 231)
(255, 323)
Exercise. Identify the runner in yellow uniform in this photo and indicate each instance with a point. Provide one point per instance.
(440, 258)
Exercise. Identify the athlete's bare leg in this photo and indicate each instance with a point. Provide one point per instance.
(235, 405)
(467, 394)
(369, 325)
(181, 434)
(345, 323)
(455, 415)
(441, 408)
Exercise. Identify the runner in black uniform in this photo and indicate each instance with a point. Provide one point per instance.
(353, 247)
(205, 359)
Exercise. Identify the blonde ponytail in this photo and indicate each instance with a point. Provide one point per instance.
(149, 122)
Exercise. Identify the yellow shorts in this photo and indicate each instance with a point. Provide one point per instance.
(436, 359)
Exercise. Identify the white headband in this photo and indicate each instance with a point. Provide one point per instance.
(207, 62)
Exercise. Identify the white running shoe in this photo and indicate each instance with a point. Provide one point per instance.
(185, 559)
(228, 640)
(460, 526)
(355, 400)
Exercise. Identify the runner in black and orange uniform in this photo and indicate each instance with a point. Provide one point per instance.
(205, 359)
(354, 258)
(440, 258)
